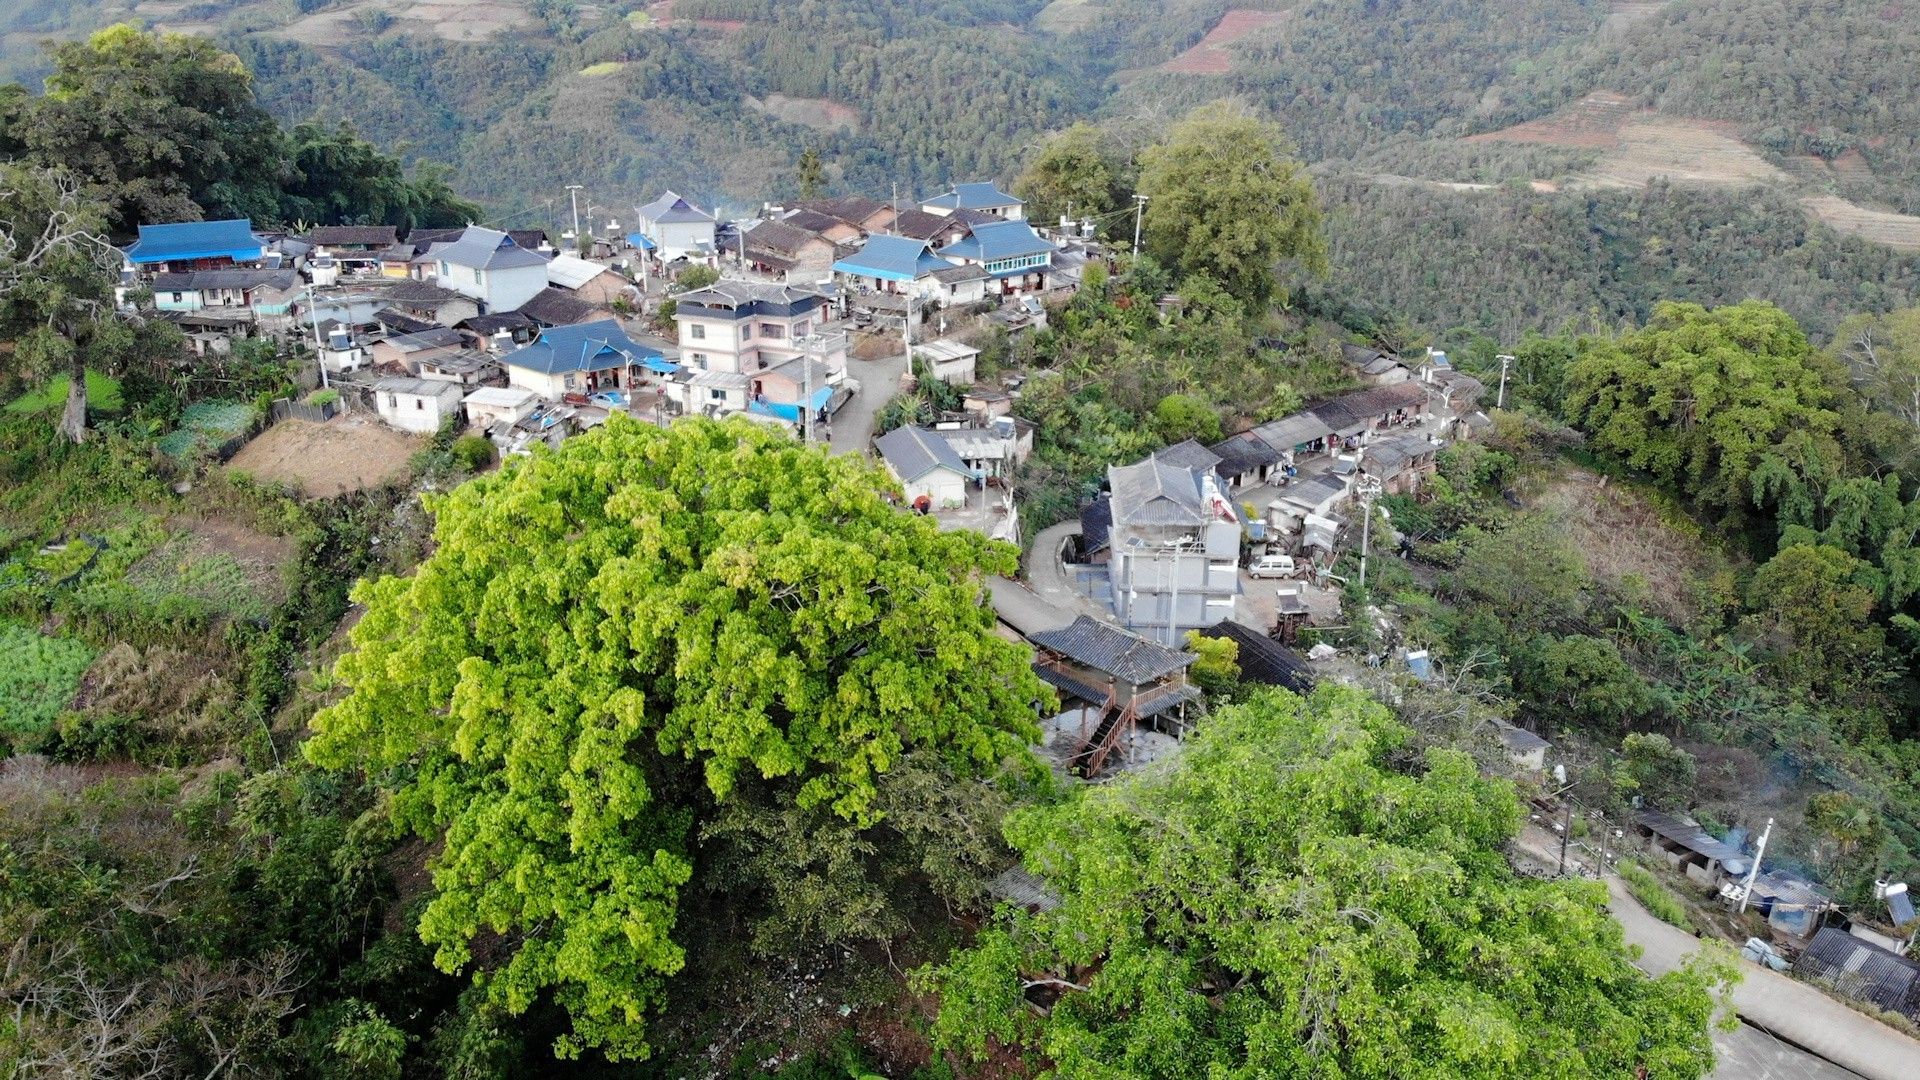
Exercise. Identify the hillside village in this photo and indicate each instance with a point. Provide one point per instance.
(808, 319)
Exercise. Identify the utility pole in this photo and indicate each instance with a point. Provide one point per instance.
(1759, 851)
(1173, 605)
(1369, 488)
(313, 318)
(573, 195)
(1566, 831)
(1139, 211)
(806, 393)
(1504, 361)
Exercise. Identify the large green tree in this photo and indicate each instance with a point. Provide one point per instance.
(160, 127)
(1227, 200)
(1704, 400)
(57, 276)
(1282, 901)
(610, 643)
(1074, 173)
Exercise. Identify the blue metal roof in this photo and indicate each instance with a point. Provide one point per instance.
(231, 239)
(892, 258)
(999, 240)
(640, 241)
(593, 346)
(791, 412)
(972, 197)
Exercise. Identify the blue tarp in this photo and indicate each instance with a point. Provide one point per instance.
(790, 412)
(659, 366)
(640, 241)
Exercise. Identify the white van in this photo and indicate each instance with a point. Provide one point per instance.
(1272, 566)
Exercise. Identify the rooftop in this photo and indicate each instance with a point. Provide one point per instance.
(671, 209)
(1264, 660)
(1862, 970)
(891, 258)
(558, 307)
(1365, 406)
(1097, 645)
(224, 279)
(368, 236)
(1189, 455)
(487, 249)
(852, 209)
(438, 337)
(996, 240)
(572, 271)
(180, 241)
(732, 293)
(913, 451)
(976, 196)
(594, 346)
(432, 388)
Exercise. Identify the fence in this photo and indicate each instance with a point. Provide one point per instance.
(319, 414)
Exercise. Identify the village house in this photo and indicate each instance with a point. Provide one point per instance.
(1375, 367)
(826, 226)
(950, 361)
(928, 469)
(1354, 418)
(404, 353)
(744, 327)
(581, 359)
(1174, 548)
(196, 245)
(260, 294)
(935, 229)
(1263, 660)
(553, 306)
(994, 449)
(488, 266)
(676, 228)
(1015, 258)
(981, 198)
(416, 405)
(596, 283)
(1119, 680)
(781, 390)
(893, 265)
(776, 247)
(1246, 460)
(1862, 970)
(863, 214)
(506, 406)
(1401, 465)
(429, 302)
(1458, 391)
(357, 248)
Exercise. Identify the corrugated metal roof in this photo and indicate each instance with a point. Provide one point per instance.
(671, 209)
(433, 388)
(992, 241)
(1096, 525)
(572, 271)
(1863, 971)
(1690, 836)
(1112, 650)
(594, 346)
(509, 397)
(230, 239)
(975, 196)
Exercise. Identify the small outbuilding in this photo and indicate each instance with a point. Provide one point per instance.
(929, 471)
(416, 405)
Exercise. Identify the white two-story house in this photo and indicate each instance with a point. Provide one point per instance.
(1014, 257)
(487, 266)
(744, 327)
(675, 227)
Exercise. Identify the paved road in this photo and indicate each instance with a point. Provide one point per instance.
(1794, 1010)
(1049, 579)
(1020, 608)
(879, 382)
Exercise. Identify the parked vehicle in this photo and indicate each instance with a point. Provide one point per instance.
(609, 399)
(1272, 566)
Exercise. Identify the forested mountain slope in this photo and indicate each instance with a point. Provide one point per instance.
(1525, 135)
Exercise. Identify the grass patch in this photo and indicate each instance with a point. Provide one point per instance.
(639, 20)
(1661, 902)
(103, 395)
(605, 67)
(38, 677)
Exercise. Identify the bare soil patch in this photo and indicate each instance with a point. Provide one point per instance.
(1624, 13)
(821, 114)
(1066, 16)
(1213, 56)
(1593, 122)
(260, 556)
(1899, 231)
(323, 460)
(454, 20)
(1628, 545)
(1683, 151)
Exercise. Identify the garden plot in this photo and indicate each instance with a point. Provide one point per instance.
(39, 676)
(323, 460)
(1214, 53)
(225, 569)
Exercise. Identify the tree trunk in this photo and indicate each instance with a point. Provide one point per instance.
(73, 420)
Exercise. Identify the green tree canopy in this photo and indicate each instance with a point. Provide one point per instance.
(1228, 200)
(1075, 172)
(607, 641)
(1706, 399)
(1282, 902)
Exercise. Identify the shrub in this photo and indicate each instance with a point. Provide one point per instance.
(1661, 902)
(328, 396)
(472, 452)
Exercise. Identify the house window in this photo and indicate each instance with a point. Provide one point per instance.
(176, 297)
(419, 404)
(717, 395)
(569, 382)
(700, 358)
(746, 331)
(800, 329)
(443, 268)
(476, 276)
(697, 332)
(393, 401)
(769, 330)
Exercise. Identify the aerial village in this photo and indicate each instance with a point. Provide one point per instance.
(810, 317)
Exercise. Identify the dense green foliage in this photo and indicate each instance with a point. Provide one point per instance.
(1288, 898)
(611, 641)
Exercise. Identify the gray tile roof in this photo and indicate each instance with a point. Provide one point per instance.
(374, 236)
(1155, 492)
(913, 451)
(1242, 454)
(1290, 431)
(1189, 455)
(420, 292)
(1364, 406)
(851, 209)
(672, 209)
(780, 237)
(487, 249)
(558, 307)
(1264, 660)
(1110, 649)
(224, 279)
(728, 292)
(1096, 524)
